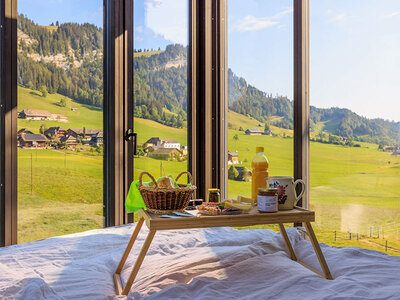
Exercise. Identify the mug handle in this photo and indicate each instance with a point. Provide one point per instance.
(303, 188)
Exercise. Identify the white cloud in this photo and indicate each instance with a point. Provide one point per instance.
(155, 3)
(336, 18)
(252, 23)
(392, 15)
(169, 19)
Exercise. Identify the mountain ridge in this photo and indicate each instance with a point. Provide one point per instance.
(68, 60)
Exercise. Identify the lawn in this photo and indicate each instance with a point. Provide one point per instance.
(58, 193)
(352, 189)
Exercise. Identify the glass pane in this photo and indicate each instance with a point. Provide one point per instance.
(260, 89)
(60, 117)
(160, 86)
(355, 122)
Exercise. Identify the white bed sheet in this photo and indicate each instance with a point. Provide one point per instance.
(215, 263)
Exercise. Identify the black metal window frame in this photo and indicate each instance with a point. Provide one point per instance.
(207, 86)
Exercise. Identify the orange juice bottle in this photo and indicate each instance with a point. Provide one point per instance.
(259, 173)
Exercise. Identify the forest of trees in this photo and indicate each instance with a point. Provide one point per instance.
(77, 42)
(157, 87)
(160, 88)
(248, 100)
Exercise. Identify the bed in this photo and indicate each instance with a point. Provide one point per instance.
(214, 263)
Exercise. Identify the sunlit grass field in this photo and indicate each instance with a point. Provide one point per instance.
(58, 194)
(351, 189)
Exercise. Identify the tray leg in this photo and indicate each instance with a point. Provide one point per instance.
(117, 274)
(139, 262)
(323, 263)
(318, 252)
(287, 242)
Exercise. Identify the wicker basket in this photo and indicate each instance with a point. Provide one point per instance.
(165, 200)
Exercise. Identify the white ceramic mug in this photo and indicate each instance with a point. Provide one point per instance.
(287, 198)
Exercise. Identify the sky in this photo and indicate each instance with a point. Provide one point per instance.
(354, 45)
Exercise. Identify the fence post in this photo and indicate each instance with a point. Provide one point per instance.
(350, 234)
(335, 235)
(357, 236)
(370, 231)
(386, 245)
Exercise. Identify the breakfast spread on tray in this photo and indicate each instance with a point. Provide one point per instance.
(165, 196)
(209, 208)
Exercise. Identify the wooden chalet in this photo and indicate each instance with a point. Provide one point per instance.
(165, 154)
(253, 132)
(233, 157)
(69, 140)
(55, 132)
(32, 140)
(34, 114)
(97, 139)
(84, 134)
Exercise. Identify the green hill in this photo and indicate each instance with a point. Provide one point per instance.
(85, 115)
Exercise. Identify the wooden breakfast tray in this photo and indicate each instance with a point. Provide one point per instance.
(154, 223)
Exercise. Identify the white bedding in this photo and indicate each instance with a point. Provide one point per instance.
(217, 263)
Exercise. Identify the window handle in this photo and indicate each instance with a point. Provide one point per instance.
(132, 136)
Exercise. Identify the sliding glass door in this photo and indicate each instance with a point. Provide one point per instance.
(161, 51)
(60, 117)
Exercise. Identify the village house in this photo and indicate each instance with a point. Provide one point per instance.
(55, 132)
(32, 140)
(253, 132)
(268, 132)
(85, 135)
(23, 130)
(233, 158)
(170, 144)
(165, 154)
(35, 115)
(70, 141)
(391, 148)
(184, 150)
(97, 139)
(156, 142)
(153, 142)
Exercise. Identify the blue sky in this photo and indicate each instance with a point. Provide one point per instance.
(354, 47)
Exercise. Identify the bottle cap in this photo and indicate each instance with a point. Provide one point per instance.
(213, 190)
(259, 149)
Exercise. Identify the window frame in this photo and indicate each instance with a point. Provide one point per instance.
(300, 95)
(207, 109)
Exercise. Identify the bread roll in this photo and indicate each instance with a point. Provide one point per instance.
(166, 182)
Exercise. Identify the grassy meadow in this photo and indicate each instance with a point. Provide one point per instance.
(85, 116)
(352, 189)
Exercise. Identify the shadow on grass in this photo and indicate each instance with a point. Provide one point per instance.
(35, 94)
(91, 107)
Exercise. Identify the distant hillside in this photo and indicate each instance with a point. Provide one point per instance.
(248, 100)
(68, 59)
(64, 59)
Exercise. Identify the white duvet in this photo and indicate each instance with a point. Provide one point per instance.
(216, 263)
